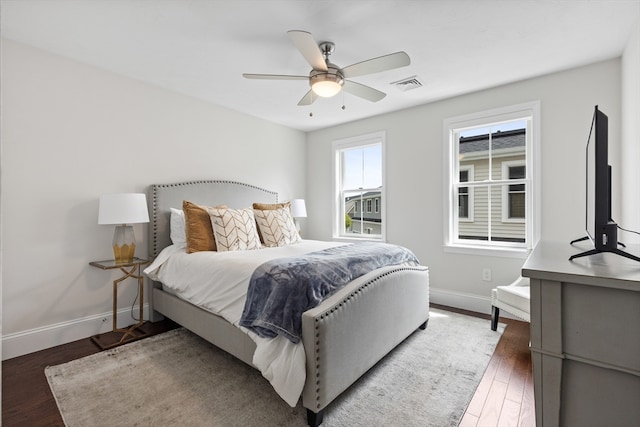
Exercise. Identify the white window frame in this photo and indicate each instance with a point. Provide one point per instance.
(337, 206)
(471, 170)
(530, 112)
(505, 189)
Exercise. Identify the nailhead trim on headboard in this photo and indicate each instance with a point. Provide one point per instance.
(155, 244)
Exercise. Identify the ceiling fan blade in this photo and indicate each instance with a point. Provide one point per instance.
(274, 77)
(308, 47)
(375, 65)
(366, 92)
(308, 99)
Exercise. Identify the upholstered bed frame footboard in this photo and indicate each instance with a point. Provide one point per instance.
(353, 329)
(343, 337)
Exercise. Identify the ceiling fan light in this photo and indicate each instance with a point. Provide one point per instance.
(326, 85)
(326, 88)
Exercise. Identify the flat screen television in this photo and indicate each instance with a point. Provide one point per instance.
(601, 229)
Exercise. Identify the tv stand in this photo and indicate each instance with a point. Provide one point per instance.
(587, 238)
(582, 239)
(598, 251)
(607, 243)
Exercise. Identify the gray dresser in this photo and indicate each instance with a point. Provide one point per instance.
(585, 336)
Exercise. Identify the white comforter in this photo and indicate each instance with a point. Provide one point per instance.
(218, 282)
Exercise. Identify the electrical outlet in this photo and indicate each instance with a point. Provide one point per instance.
(486, 274)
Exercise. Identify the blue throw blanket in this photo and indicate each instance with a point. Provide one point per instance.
(282, 289)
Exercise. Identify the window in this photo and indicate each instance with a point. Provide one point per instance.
(359, 189)
(491, 181)
(514, 195)
(465, 194)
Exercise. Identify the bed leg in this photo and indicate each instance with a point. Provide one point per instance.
(314, 419)
(424, 325)
(495, 314)
(154, 316)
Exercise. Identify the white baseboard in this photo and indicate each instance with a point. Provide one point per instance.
(25, 342)
(471, 302)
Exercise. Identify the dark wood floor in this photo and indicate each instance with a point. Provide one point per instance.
(503, 398)
(26, 396)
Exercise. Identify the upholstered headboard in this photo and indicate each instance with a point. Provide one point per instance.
(163, 197)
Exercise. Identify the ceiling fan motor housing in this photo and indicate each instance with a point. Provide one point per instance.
(326, 83)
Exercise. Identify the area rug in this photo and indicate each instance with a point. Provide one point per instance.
(178, 379)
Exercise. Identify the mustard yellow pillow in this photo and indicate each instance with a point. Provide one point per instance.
(198, 228)
(271, 206)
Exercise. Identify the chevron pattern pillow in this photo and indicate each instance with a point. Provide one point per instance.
(267, 207)
(276, 227)
(234, 229)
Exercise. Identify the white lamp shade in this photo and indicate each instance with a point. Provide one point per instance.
(326, 88)
(123, 208)
(298, 208)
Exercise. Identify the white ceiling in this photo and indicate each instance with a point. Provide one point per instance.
(201, 47)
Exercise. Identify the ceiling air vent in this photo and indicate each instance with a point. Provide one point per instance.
(407, 84)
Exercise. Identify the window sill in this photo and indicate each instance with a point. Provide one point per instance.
(357, 239)
(503, 252)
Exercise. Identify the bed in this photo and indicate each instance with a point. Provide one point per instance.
(341, 338)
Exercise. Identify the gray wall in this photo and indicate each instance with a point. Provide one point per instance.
(629, 175)
(72, 132)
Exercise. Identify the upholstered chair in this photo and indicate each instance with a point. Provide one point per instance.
(514, 299)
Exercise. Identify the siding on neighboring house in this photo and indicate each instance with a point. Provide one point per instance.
(507, 146)
(364, 220)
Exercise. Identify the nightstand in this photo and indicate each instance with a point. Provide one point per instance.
(131, 333)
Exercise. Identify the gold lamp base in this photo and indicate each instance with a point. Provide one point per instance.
(124, 244)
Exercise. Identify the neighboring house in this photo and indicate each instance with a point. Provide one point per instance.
(364, 211)
(502, 153)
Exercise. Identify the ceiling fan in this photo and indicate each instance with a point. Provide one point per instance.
(327, 79)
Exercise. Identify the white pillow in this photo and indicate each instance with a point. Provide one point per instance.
(178, 236)
(234, 229)
(277, 227)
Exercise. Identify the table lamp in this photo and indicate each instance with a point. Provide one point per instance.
(298, 210)
(123, 209)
